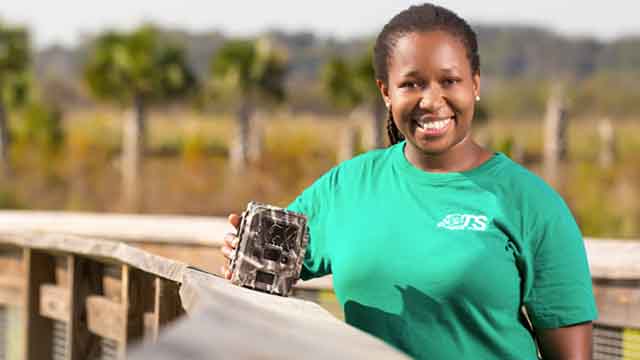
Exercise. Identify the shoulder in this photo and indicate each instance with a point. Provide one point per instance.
(524, 186)
(362, 166)
(370, 160)
(540, 209)
(347, 173)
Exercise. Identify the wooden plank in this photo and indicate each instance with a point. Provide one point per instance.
(132, 309)
(112, 282)
(105, 317)
(166, 306)
(103, 250)
(208, 231)
(614, 259)
(230, 322)
(54, 302)
(11, 276)
(84, 278)
(11, 290)
(38, 330)
(11, 261)
(618, 302)
(62, 274)
(208, 258)
(608, 257)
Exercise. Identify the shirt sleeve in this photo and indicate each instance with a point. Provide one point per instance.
(314, 203)
(561, 292)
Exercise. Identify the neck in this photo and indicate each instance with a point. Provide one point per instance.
(464, 156)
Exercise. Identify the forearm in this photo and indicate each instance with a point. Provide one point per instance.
(566, 343)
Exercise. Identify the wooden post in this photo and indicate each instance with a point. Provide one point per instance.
(606, 132)
(83, 278)
(133, 147)
(166, 306)
(132, 308)
(256, 137)
(5, 167)
(239, 151)
(555, 139)
(38, 330)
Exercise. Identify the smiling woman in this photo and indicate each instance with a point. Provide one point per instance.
(436, 245)
(430, 92)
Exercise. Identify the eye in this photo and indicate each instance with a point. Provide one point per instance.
(409, 84)
(450, 81)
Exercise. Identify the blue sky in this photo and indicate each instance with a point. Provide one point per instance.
(64, 21)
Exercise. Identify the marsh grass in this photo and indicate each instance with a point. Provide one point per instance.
(186, 170)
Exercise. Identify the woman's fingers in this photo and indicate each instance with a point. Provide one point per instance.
(231, 240)
(230, 243)
(227, 252)
(234, 219)
(226, 273)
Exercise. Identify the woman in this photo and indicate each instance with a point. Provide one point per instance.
(435, 243)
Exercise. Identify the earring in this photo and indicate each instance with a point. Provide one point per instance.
(387, 104)
(477, 97)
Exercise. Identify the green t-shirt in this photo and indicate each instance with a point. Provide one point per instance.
(439, 264)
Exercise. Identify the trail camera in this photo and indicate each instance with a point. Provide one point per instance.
(271, 248)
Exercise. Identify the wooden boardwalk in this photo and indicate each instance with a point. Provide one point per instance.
(88, 286)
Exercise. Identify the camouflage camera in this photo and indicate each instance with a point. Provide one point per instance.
(271, 248)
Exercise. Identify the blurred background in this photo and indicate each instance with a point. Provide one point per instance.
(198, 108)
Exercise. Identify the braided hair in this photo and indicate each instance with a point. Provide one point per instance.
(420, 18)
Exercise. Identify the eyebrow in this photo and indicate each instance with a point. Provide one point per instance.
(411, 73)
(451, 69)
(416, 73)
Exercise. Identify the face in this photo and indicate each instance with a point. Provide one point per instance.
(431, 90)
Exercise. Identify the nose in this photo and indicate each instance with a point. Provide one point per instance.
(431, 98)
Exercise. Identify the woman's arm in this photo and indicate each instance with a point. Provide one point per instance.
(566, 343)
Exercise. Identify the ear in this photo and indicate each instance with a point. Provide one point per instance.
(476, 84)
(384, 91)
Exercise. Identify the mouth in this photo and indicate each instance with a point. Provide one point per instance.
(434, 126)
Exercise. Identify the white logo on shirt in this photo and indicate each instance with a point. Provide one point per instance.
(464, 222)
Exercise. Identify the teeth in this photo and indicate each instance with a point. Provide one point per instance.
(434, 125)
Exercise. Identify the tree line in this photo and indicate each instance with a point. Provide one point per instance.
(147, 66)
(141, 68)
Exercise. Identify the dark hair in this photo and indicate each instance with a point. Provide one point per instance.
(420, 18)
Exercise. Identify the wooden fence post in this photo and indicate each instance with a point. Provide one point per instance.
(165, 307)
(5, 163)
(38, 330)
(84, 279)
(256, 137)
(132, 307)
(133, 147)
(607, 135)
(239, 148)
(555, 139)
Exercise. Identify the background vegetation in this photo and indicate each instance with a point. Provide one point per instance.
(65, 144)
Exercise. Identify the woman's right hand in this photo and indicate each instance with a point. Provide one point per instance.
(230, 244)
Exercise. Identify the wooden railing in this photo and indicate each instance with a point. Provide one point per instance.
(81, 286)
(82, 298)
(67, 296)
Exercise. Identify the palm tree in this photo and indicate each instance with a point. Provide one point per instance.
(14, 64)
(136, 69)
(352, 84)
(246, 74)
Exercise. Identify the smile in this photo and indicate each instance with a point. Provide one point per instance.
(434, 127)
